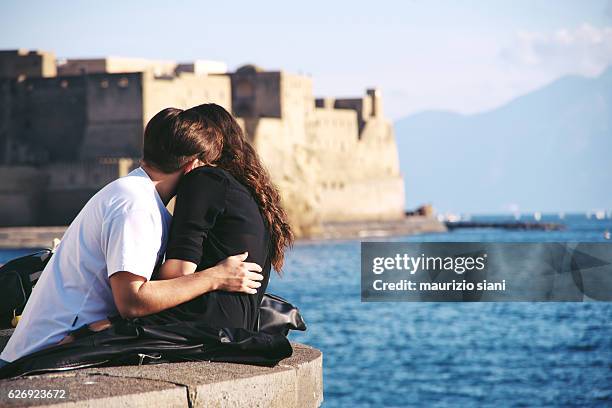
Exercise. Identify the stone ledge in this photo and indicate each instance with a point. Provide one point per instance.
(295, 382)
(30, 237)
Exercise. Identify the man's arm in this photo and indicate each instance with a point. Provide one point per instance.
(175, 268)
(135, 296)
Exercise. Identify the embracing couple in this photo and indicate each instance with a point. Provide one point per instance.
(124, 254)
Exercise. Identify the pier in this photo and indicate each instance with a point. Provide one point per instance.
(510, 225)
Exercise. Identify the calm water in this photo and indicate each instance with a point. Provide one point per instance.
(448, 354)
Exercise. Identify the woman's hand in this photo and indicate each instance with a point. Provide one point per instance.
(234, 275)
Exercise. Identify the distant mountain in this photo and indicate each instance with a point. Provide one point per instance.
(549, 150)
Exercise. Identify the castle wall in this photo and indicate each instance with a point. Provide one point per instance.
(70, 185)
(6, 104)
(360, 176)
(72, 118)
(271, 141)
(256, 94)
(291, 166)
(297, 105)
(26, 64)
(93, 174)
(47, 120)
(184, 91)
(378, 151)
(115, 65)
(21, 191)
(367, 199)
(114, 116)
(79, 67)
(363, 107)
(202, 67)
(332, 134)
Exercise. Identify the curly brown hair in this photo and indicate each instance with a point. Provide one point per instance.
(238, 157)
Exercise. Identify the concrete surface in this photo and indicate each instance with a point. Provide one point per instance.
(29, 237)
(414, 224)
(295, 382)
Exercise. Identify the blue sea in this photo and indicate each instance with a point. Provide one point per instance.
(448, 354)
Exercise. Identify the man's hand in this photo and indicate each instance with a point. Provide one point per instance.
(234, 275)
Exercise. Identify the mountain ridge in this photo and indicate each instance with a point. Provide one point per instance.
(547, 150)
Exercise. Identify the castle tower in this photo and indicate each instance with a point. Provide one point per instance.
(375, 96)
(20, 64)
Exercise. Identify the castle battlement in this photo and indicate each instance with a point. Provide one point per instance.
(332, 158)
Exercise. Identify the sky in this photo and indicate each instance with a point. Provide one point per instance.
(462, 56)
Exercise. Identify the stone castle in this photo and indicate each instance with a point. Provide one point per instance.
(69, 127)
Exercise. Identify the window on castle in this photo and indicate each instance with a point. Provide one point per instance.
(64, 84)
(123, 83)
(104, 84)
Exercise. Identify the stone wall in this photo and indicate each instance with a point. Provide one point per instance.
(25, 63)
(256, 93)
(55, 193)
(184, 91)
(114, 121)
(46, 120)
(21, 193)
(113, 65)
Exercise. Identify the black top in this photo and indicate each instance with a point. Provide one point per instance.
(215, 216)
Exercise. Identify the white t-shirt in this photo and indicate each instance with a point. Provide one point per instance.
(124, 227)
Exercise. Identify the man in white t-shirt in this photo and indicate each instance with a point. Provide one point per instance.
(105, 260)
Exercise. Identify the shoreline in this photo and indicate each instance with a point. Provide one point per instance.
(42, 237)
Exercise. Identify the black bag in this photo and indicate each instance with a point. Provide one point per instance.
(127, 342)
(17, 277)
(276, 315)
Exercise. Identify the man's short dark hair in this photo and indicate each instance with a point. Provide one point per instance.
(171, 140)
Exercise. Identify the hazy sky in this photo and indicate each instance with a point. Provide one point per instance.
(465, 56)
